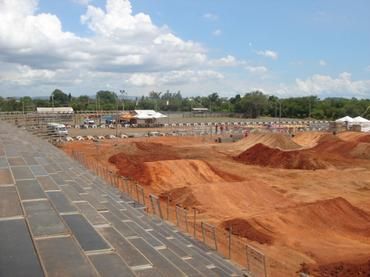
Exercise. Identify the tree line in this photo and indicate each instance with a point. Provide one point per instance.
(252, 104)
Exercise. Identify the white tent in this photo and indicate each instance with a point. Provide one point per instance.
(67, 110)
(148, 114)
(345, 119)
(360, 119)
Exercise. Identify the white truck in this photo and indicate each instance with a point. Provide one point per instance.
(57, 129)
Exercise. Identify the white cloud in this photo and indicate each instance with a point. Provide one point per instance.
(256, 69)
(368, 68)
(156, 80)
(210, 16)
(82, 2)
(322, 63)
(142, 80)
(226, 61)
(268, 53)
(341, 85)
(121, 41)
(217, 32)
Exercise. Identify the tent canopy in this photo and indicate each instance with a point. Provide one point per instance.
(148, 114)
(345, 119)
(360, 119)
(54, 110)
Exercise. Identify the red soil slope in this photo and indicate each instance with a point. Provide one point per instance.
(265, 156)
(272, 140)
(314, 229)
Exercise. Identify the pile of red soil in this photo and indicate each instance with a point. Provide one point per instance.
(133, 164)
(245, 229)
(273, 140)
(355, 147)
(263, 155)
(340, 270)
(336, 213)
(183, 196)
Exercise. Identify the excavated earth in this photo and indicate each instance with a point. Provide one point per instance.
(304, 201)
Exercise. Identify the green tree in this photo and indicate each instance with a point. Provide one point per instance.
(59, 98)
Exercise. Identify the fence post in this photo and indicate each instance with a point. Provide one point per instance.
(195, 220)
(177, 216)
(230, 235)
(185, 211)
(203, 234)
(168, 207)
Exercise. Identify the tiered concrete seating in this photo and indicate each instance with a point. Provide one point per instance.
(58, 219)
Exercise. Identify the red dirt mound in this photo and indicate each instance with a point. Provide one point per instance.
(308, 139)
(353, 148)
(265, 156)
(132, 164)
(183, 196)
(272, 140)
(335, 213)
(340, 269)
(355, 136)
(184, 172)
(319, 227)
(244, 228)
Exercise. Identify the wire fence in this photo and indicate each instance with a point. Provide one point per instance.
(190, 221)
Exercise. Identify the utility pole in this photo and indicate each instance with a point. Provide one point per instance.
(122, 92)
(279, 112)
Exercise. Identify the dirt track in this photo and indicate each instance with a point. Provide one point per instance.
(317, 214)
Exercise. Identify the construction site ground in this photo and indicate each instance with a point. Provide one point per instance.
(304, 201)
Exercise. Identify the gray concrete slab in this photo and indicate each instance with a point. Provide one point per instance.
(144, 234)
(60, 202)
(164, 266)
(50, 168)
(11, 151)
(14, 161)
(62, 257)
(47, 183)
(124, 249)
(57, 179)
(180, 263)
(220, 272)
(30, 189)
(150, 272)
(91, 213)
(3, 162)
(38, 170)
(71, 193)
(22, 172)
(85, 233)
(116, 211)
(120, 226)
(76, 186)
(94, 202)
(17, 254)
(6, 177)
(43, 219)
(110, 265)
(9, 202)
(29, 159)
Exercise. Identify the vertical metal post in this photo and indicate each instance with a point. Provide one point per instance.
(177, 215)
(203, 234)
(143, 196)
(195, 220)
(185, 212)
(168, 207)
(230, 235)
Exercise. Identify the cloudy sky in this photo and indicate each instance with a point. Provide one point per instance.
(285, 48)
